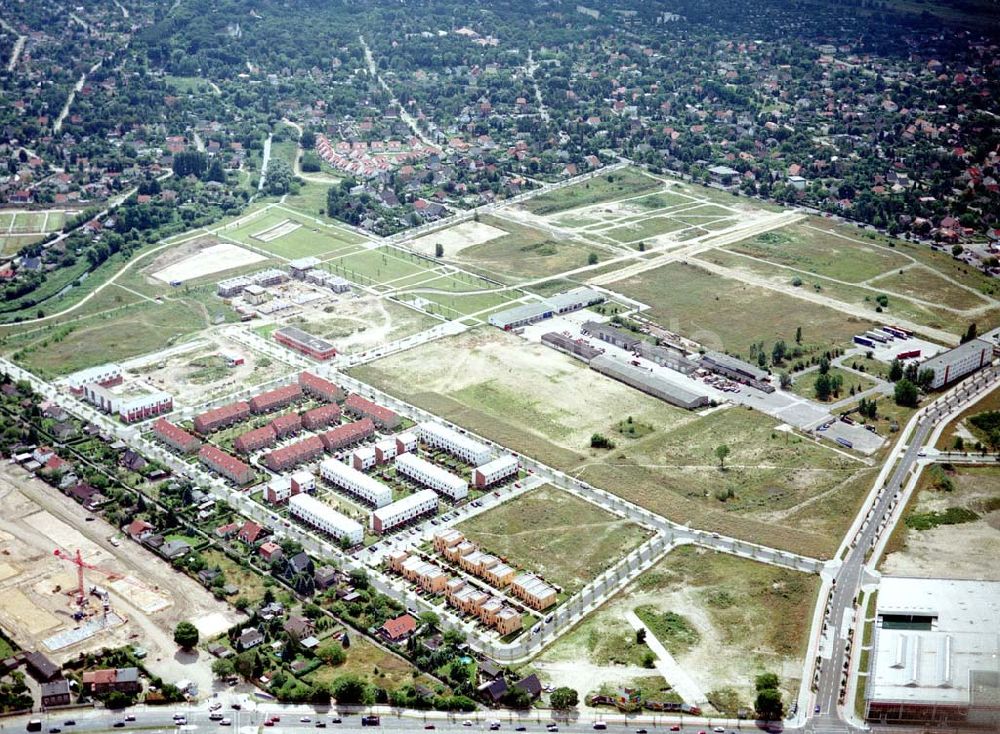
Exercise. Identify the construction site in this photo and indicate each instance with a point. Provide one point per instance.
(70, 583)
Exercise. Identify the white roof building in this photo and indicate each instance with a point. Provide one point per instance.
(320, 515)
(404, 510)
(455, 443)
(357, 483)
(431, 475)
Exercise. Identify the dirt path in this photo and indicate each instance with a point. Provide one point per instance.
(403, 114)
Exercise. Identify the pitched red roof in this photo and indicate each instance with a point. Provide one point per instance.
(367, 407)
(399, 627)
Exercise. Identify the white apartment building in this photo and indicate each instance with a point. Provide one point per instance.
(303, 481)
(430, 475)
(402, 511)
(278, 490)
(351, 480)
(385, 450)
(321, 516)
(467, 449)
(494, 471)
(406, 442)
(104, 374)
(363, 458)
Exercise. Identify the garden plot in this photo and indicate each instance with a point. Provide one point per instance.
(214, 259)
(455, 239)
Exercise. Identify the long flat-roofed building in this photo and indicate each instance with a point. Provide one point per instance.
(403, 511)
(105, 375)
(321, 516)
(430, 475)
(732, 367)
(648, 383)
(958, 362)
(305, 343)
(935, 653)
(355, 482)
(611, 334)
(457, 444)
(495, 471)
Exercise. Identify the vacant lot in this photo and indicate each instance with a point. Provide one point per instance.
(966, 549)
(823, 253)
(738, 619)
(567, 540)
(617, 185)
(724, 313)
(502, 382)
(923, 283)
(771, 477)
(136, 330)
(371, 662)
(522, 252)
(960, 428)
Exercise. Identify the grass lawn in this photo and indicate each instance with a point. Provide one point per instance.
(924, 283)
(625, 183)
(371, 662)
(663, 199)
(567, 540)
(990, 402)
(311, 200)
(453, 307)
(722, 312)
(805, 385)
(250, 583)
(822, 253)
(309, 239)
(525, 252)
(383, 265)
(644, 229)
(672, 630)
(12, 244)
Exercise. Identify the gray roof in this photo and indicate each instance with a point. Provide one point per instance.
(648, 383)
(957, 354)
(575, 296)
(735, 364)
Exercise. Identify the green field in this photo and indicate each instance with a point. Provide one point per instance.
(663, 200)
(927, 285)
(457, 306)
(551, 532)
(311, 239)
(625, 183)
(378, 267)
(644, 229)
(721, 312)
(139, 329)
(822, 253)
(805, 384)
(525, 252)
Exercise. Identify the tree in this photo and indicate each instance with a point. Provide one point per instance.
(247, 665)
(223, 668)
(430, 620)
(438, 250)
(600, 441)
(823, 387)
(516, 698)
(769, 705)
(906, 394)
(216, 172)
(785, 380)
(186, 635)
(779, 352)
(592, 258)
(766, 680)
(332, 653)
(971, 333)
(798, 334)
(721, 452)
(957, 250)
(824, 365)
(563, 698)
(348, 689)
(895, 371)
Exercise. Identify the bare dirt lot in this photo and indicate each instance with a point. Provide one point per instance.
(200, 375)
(457, 238)
(967, 550)
(36, 592)
(206, 260)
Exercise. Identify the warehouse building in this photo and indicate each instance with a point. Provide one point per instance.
(355, 482)
(534, 592)
(225, 465)
(320, 388)
(255, 440)
(321, 516)
(348, 434)
(574, 300)
(105, 375)
(294, 454)
(321, 417)
(221, 417)
(958, 362)
(430, 475)
(495, 471)
(935, 653)
(361, 407)
(668, 357)
(611, 334)
(175, 437)
(305, 343)
(572, 347)
(648, 383)
(457, 444)
(402, 511)
(268, 402)
(733, 368)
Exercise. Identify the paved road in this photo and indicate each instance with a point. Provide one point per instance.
(264, 161)
(826, 718)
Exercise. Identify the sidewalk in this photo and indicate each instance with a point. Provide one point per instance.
(666, 666)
